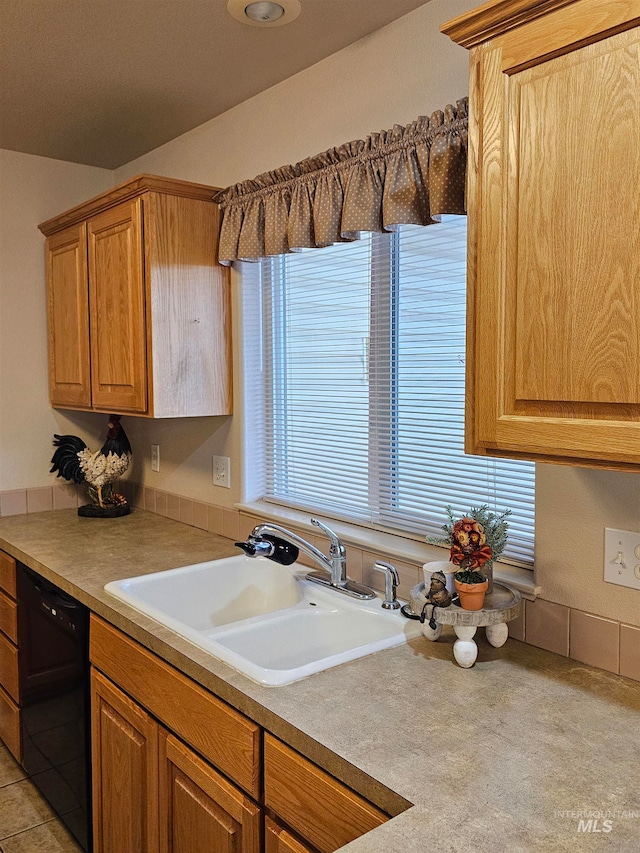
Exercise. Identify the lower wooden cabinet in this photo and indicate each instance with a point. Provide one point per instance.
(161, 744)
(152, 793)
(226, 738)
(10, 711)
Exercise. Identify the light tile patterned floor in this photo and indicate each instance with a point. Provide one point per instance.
(27, 824)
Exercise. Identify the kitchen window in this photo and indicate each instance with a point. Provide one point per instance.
(362, 374)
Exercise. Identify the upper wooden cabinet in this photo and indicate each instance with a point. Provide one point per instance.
(554, 230)
(139, 308)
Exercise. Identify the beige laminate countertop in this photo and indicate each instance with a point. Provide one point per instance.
(551, 741)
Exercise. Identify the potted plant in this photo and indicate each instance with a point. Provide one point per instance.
(471, 586)
(475, 541)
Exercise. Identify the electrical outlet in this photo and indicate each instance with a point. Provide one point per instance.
(222, 471)
(622, 557)
(155, 457)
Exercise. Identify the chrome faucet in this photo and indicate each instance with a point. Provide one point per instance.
(334, 567)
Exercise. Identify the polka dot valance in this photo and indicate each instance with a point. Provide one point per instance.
(405, 175)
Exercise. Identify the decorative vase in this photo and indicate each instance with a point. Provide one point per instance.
(487, 571)
(443, 566)
(471, 594)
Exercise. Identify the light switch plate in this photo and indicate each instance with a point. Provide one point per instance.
(222, 471)
(622, 557)
(155, 457)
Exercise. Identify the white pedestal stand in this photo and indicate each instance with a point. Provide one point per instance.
(500, 607)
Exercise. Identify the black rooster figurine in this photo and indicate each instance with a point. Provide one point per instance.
(76, 463)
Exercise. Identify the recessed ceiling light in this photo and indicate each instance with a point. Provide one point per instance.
(264, 13)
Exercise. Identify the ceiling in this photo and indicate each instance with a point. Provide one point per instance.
(102, 82)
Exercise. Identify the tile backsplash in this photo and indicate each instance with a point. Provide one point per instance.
(21, 501)
(585, 637)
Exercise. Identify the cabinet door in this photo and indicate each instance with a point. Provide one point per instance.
(278, 840)
(117, 308)
(68, 316)
(200, 812)
(125, 772)
(555, 239)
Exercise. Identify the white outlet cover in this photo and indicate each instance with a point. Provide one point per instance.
(222, 471)
(624, 571)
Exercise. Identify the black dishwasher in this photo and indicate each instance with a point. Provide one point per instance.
(53, 662)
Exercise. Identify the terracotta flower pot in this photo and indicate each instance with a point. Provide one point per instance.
(471, 594)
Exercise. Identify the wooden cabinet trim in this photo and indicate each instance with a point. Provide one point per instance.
(218, 732)
(577, 460)
(485, 269)
(318, 807)
(473, 233)
(8, 574)
(125, 192)
(497, 17)
(567, 29)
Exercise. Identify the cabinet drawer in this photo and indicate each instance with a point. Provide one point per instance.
(8, 574)
(9, 668)
(8, 617)
(10, 725)
(278, 840)
(218, 732)
(322, 810)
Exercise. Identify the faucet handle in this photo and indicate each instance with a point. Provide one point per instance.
(391, 583)
(337, 545)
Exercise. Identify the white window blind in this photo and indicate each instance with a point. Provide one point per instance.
(363, 358)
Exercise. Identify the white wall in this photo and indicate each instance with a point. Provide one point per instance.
(389, 77)
(32, 189)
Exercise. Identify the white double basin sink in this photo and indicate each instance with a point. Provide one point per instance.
(264, 619)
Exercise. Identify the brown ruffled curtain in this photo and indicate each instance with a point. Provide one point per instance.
(404, 175)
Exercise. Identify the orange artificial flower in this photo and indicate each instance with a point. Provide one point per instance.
(468, 544)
